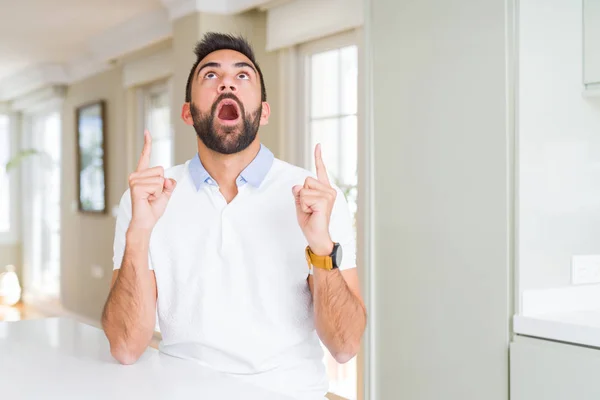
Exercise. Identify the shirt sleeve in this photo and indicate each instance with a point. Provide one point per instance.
(122, 224)
(341, 229)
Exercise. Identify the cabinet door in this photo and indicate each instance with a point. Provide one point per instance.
(541, 369)
(591, 41)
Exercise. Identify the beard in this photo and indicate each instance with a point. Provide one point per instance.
(226, 139)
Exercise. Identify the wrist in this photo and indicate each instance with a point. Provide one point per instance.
(320, 273)
(138, 235)
(322, 248)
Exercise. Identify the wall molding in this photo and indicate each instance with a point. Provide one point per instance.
(293, 22)
(137, 33)
(238, 6)
(47, 98)
(148, 69)
(180, 8)
(273, 4)
(84, 67)
(32, 79)
(45, 75)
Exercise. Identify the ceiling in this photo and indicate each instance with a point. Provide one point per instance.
(60, 41)
(57, 31)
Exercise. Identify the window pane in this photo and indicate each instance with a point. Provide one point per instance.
(349, 162)
(325, 84)
(43, 170)
(349, 78)
(326, 132)
(158, 122)
(4, 181)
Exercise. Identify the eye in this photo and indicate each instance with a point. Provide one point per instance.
(210, 75)
(244, 76)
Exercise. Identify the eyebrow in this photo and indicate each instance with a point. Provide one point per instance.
(245, 64)
(209, 65)
(240, 64)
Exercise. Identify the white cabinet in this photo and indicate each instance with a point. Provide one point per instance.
(542, 369)
(591, 42)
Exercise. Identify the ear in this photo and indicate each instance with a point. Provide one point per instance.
(266, 112)
(186, 114)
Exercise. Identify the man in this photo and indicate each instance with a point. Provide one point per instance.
(218, 247)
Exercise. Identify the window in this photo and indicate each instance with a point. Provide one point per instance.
(332, 120)
(330, 73)
(41, 215)
(5, 189)
(154, 102)
(155, 106)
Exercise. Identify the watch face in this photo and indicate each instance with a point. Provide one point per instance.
(337, 255)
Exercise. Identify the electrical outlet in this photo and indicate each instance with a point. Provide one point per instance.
(585, 269)
(97, 272)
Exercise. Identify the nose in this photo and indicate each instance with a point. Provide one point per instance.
(227, 85)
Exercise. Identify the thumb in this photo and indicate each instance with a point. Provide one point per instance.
(169, 186)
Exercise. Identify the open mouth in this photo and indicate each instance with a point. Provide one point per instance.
(228, 110)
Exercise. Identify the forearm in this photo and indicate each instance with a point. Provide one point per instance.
(129, 315)
(340, 316)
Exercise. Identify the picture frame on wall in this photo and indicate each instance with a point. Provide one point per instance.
(90, 122)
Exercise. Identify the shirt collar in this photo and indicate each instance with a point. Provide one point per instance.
(253, 174)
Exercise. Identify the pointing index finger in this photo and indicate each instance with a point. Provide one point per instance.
(321, 170)
(144, 162)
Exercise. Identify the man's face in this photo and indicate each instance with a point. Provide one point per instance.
(226, 109)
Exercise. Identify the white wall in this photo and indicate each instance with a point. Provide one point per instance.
(442, 198)
(559, 145)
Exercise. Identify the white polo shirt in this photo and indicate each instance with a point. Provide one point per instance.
(232, 278)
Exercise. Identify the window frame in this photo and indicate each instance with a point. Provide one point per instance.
(304, 152)
(141, 93)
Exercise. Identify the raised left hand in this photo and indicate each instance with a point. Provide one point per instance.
(314, 203)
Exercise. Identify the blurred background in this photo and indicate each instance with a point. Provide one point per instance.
(464, 134)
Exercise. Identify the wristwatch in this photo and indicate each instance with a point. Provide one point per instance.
(332, 261)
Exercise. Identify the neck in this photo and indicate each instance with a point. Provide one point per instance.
(225, 168)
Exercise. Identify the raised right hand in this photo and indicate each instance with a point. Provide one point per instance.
(150, 191)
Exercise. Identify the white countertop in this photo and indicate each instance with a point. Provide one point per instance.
(570, 314)
(59, 358)
(578, 327)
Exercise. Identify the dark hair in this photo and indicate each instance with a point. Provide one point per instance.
(213, 41)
